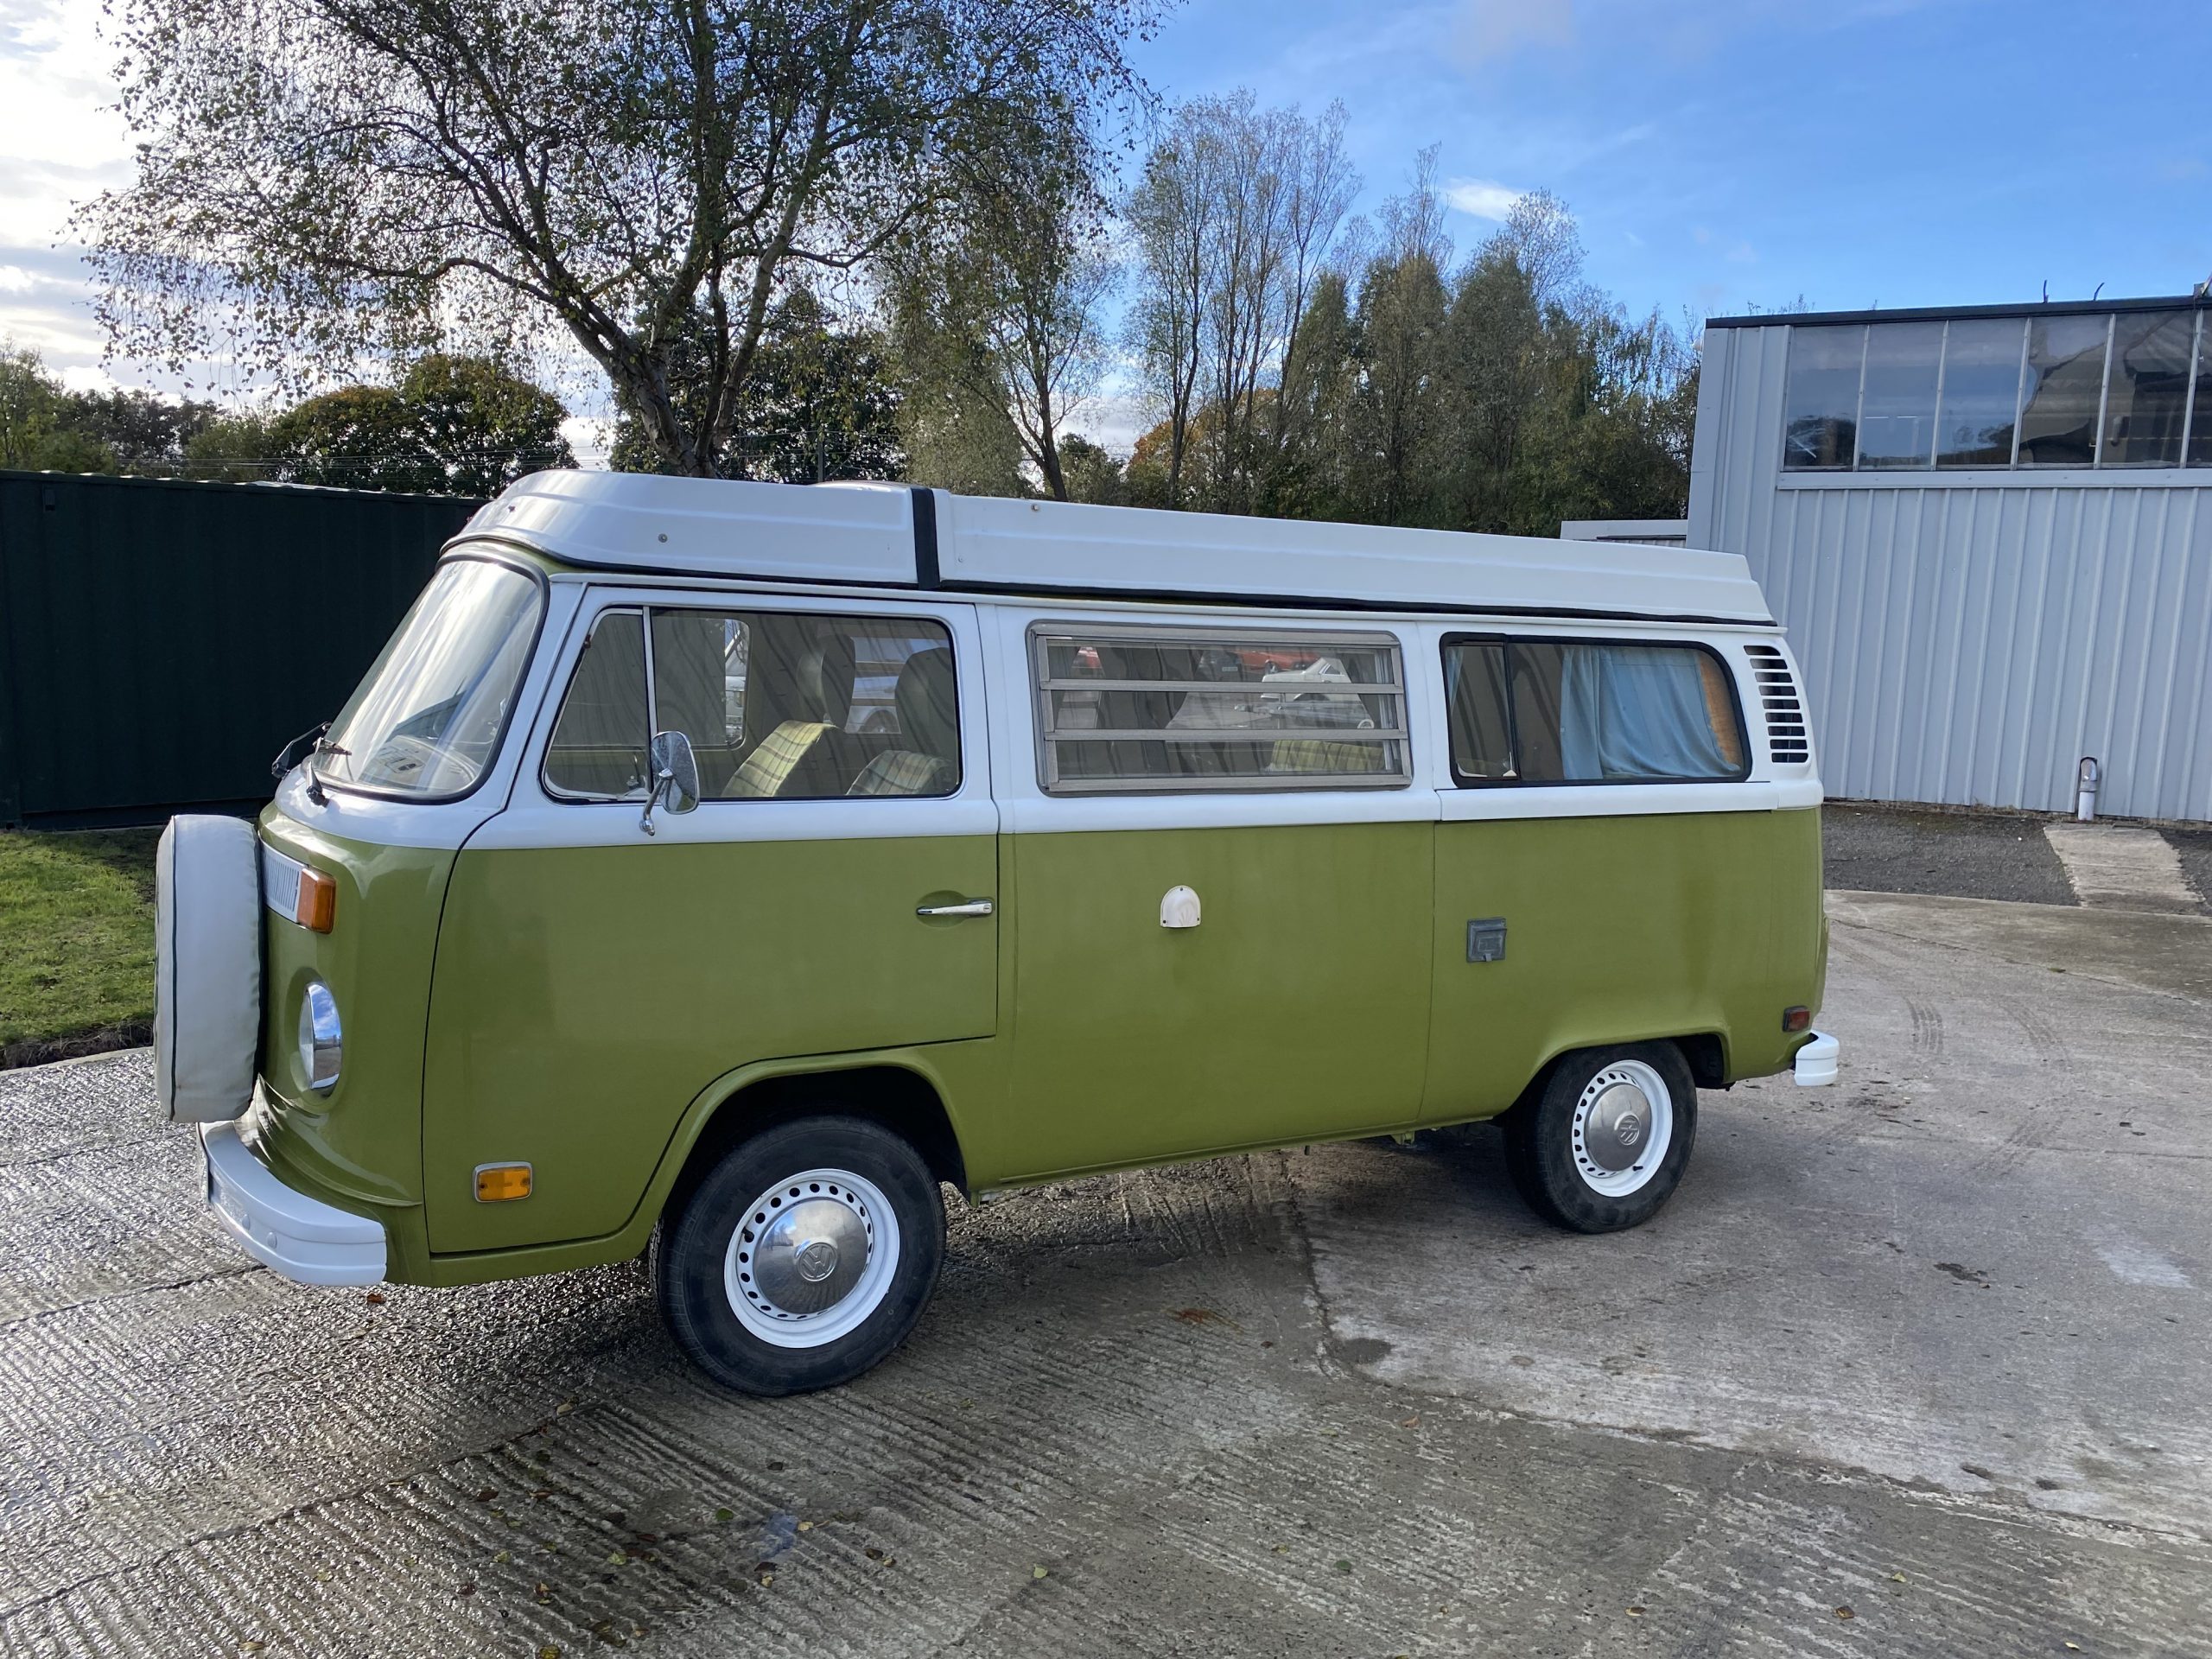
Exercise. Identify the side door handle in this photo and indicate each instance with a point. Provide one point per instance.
(966, 907)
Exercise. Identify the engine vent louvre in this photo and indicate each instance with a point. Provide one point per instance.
(1786, 742)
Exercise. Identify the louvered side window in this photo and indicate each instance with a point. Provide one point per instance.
(1787, 744)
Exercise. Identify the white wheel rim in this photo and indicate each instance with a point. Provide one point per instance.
(1623, 1124)
(794, 1246)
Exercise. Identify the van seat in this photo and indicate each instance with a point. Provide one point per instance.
(929, 721)
(796, 760)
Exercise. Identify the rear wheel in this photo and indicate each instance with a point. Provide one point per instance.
(1603, 1143)
(803, 1258)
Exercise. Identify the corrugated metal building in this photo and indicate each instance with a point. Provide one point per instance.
(1989, 532)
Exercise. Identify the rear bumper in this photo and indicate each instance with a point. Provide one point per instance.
(301, 1237)
(1816, 1063)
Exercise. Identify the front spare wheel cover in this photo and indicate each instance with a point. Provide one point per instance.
(206, 968)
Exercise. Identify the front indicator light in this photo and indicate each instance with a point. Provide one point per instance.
(501, 1183)
(321, 1039)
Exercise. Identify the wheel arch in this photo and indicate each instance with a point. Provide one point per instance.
(894, 1092)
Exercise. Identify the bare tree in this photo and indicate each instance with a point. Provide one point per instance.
(320, 179)
(1238, 215)
(1012, 298)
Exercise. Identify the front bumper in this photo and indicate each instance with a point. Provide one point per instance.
(1817, 1061)
(301, 1237)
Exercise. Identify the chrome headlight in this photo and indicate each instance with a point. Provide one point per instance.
(319, 1038)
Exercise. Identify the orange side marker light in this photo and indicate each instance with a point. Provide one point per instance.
(499, 1183)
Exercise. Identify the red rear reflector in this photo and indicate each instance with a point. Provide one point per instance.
(1796, 1018)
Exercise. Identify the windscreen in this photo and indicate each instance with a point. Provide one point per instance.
(427, 719)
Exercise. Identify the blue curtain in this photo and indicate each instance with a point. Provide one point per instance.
(1635, 712)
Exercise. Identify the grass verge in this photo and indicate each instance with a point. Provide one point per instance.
(76, 943)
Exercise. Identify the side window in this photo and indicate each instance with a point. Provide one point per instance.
(598, 748)
(1542, 711)
(792, 706)
(1130, 710)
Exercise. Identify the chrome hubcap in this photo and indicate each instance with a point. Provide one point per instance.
(811, 1258)
(1623, 1124)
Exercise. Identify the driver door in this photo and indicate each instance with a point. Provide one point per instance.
(595, 978)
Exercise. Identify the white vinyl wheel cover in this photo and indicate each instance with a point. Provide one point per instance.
(206, 968)
(869, 1203)
(1657, 1136)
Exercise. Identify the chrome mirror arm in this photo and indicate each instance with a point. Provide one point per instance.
(660, 787)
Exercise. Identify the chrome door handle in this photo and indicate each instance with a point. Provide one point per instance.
(968, 907)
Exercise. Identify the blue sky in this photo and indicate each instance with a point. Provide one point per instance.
(1717, 153)
(1726, 153)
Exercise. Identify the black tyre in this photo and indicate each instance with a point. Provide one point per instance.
(1603, 1143)
(803, 1258)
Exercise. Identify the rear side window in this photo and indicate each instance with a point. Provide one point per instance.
(1132, 710)
(777, 705)
(1553, 711)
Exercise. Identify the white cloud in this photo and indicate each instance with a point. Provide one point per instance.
(1481, 197)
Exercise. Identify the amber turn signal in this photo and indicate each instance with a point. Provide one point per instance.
(498, 1183)
(1796, 1018)
(318, 901)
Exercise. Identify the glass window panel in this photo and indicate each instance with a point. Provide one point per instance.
(2065, 382)
(1821, 402)
(431, 710)
(2200, 423)
(1897, 415)
(1981, 392)
(1231, 711)
(1474, 688)
(799, 707)
(598, 746)
(2146, 390)
(1622, 714)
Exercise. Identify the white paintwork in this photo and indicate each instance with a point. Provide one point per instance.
(866, 534)
(1179, 907)
(206, 968)
(1818, 1062)
(302, 1238)
(700, 526)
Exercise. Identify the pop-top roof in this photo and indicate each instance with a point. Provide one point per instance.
(889, 534)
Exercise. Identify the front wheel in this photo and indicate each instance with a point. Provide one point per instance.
(803, 1258)
(1604, 1144)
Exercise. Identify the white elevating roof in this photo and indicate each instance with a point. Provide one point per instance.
(890, 535)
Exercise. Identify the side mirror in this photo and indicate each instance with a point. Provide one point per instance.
(676, 777)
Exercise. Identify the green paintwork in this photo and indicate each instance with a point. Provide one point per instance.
(1619, 929)
(1297, 1009)
(586, 997)
(360, 1147)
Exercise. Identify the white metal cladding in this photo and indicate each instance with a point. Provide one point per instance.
(1966, 637)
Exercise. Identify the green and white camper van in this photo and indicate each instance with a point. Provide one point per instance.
(711, 870)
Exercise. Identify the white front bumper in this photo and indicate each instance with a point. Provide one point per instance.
(301, 1237)
(1817, 1061)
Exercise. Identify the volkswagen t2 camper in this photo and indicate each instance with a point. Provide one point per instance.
(711, 871)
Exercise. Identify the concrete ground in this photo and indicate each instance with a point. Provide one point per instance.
(1915, 1364)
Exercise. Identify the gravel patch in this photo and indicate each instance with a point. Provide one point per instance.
(1958, 855)
(2194, 848)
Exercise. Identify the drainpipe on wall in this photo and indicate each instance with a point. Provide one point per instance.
(2086, 777)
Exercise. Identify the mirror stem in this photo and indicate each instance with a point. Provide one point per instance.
(660, 786)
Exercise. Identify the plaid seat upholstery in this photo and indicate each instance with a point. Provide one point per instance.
(1305, 756)
(769, 767)
(902, 772)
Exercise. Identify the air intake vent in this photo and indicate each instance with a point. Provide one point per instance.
(1787, 743)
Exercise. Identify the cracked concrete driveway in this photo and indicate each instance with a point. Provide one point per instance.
(1916, 1365)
